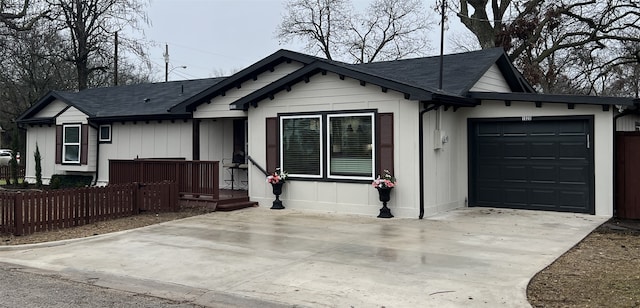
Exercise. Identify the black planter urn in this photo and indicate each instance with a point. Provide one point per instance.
(277, 191)
(384, 193)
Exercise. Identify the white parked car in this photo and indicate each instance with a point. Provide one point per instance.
(5, 157)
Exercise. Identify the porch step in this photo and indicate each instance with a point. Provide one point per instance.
(226, 206)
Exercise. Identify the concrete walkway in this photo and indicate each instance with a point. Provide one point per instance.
(475, 257)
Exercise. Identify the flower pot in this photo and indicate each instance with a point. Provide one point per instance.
(384, 194)
(277, 191)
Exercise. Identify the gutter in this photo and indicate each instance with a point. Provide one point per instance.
(421, 152)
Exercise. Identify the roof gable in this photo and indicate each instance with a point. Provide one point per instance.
(417, 78)
(251, 72)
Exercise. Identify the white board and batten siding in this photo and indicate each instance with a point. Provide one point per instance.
(45, 138)
(218, 107)
(52, 109)
(329, 93)
(164, 139)
(492, 81)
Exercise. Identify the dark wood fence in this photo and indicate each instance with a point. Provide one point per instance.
(24, 213)
(627, 175)
(5, 172)
(192, 177)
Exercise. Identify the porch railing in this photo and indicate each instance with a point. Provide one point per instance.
(192, 177)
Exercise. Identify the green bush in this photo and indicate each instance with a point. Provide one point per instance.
(38, 159)
(70, 181)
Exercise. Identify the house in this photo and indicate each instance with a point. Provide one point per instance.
(485, 138)
(78, 132)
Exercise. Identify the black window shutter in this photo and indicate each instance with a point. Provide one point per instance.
(272, 144)
(58, 144)
(384, 143)
(84, 144)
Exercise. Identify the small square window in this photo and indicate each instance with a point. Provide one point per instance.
(105, 133)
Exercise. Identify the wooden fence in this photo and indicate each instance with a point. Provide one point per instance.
(192, 177)
(24, 213)
(5, 172)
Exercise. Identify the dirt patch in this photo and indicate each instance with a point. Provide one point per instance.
(603, 270)
(101, 227)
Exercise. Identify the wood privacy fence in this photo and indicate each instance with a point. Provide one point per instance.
(193, 177)
(24, 213)
(5, 172)
(627, 175)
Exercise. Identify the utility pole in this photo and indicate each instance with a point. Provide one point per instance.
(166, 63)
(442, 44)
(115, 61)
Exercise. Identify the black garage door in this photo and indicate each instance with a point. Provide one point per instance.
(532, 163)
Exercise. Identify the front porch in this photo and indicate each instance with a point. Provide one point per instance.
(227, 200)
(198, 181)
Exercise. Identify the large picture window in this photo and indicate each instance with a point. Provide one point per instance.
(71, 144)
(351, 145)
(300, 149)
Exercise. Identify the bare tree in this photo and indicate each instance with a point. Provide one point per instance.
(387, 30)
(91, 25)
(20, 15)
(318, 23)
(552, 41)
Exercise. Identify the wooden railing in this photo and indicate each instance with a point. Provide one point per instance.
(192, 177)
(24, 213)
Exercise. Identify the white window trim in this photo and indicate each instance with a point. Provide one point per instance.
(65, 143)
(100, 133)
(373, 145)
(321, 131)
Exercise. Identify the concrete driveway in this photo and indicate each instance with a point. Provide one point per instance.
(257, 257)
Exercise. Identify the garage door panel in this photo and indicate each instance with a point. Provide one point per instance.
(543, 150)
(490, 150)
(514, 173)
(543, 197)
(544, 174)
(515, 150)
(543, 165)
(490, 195)
(572, 150)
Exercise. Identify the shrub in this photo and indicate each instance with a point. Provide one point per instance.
(38, 159)
(70, 181)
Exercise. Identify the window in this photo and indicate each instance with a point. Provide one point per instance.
(300, 145)
(351, 146)
(105, 133)
(71, 144)
(328, 145)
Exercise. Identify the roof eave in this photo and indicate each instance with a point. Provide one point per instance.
(137, 118)
(554, 98)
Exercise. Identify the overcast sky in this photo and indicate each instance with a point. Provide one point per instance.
(213, 37)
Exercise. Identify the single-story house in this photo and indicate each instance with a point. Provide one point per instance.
(484, 138)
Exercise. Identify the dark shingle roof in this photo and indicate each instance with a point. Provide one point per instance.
(130, 101)
(416, 78)
(460, 71)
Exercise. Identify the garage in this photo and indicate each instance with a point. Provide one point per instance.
(538, 163)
